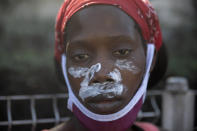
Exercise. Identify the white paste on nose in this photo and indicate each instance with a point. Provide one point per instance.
(90, 74)
(106, 89)
(127, 65)
(115, 75)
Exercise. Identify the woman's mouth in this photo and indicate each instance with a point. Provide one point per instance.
(104, 105)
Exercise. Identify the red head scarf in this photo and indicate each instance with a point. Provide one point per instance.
(140, 10)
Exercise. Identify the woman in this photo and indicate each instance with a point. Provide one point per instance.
(106, 49)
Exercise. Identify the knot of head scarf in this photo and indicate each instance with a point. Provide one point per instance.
(140, 10)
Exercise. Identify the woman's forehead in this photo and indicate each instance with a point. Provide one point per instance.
(100, 21)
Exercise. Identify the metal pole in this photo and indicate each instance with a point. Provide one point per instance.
(177, 105)
(9, 113)
(33, 113)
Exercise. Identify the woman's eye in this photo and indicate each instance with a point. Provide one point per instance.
(81, 57)
(122, 52)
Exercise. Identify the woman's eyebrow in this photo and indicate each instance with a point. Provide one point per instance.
(79, 44)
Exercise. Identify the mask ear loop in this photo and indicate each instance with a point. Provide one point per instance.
(70, 102)
(149, 61)
(110, 117)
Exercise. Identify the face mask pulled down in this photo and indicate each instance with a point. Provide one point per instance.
(118, 121)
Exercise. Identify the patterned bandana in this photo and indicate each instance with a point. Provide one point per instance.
(140, 10)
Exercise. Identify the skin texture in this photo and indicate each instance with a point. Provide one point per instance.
(104, 34)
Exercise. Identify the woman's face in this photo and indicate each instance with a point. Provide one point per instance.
(105, 58)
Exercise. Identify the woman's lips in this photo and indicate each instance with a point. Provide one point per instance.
(103, 98)
(103, 105)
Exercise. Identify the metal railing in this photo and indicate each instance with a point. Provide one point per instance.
(34, 121)
(176, 102)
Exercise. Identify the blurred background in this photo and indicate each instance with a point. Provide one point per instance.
(27, 44)
(26, 49)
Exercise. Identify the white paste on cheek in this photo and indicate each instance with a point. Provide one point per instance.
(77, 72)
(127, 65)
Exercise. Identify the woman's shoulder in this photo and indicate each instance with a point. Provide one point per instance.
(138, 126)
(145, 126)
(65, 126)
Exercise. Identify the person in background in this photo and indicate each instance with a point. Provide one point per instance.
(105, 51)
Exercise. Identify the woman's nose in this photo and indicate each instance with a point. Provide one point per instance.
(102, 76)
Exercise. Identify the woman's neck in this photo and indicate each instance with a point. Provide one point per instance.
(77, 126)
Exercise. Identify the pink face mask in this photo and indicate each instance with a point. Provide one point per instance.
(118, 121)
